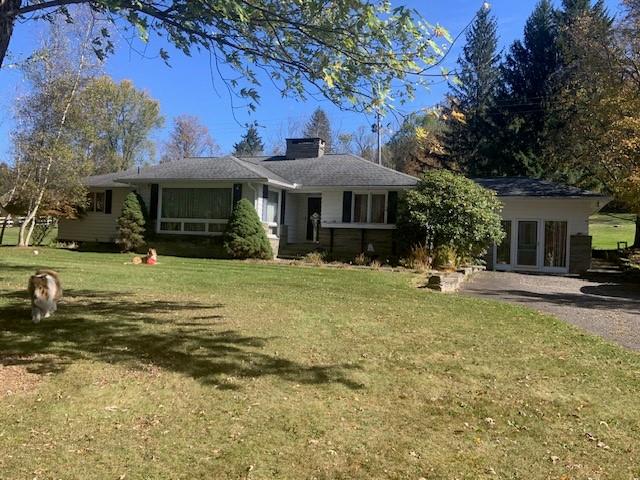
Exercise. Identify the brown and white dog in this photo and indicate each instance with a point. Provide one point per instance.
(45, 292)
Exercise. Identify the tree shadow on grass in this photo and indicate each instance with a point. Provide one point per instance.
(116, 328)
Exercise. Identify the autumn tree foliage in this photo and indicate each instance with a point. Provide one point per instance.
(189, 138)
(417, 145)
(117, 122)
(46, 170)
(337, 49)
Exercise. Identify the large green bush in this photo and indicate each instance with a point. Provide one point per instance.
(451, 211)
(245, 236)
(131, 224)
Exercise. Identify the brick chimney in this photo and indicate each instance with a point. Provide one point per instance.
(304, 148)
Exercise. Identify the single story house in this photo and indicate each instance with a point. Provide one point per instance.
(546, 225)
(339, 202)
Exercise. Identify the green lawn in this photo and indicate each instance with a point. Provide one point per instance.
(11, 236)
(608, 229)
(220, 369)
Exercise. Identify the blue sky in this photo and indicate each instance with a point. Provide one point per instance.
(186, 87)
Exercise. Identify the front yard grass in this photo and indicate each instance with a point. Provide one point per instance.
(220, 369)
(607, 229)
(11, 236)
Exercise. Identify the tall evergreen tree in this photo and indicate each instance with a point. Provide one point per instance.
(131, 224)
(523, 93)
(319, 126)
(588, 75)
(250, 143)
(469, 141)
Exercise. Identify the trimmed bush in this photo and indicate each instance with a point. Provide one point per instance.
(245, 236)
(131, 224)
(451, 214)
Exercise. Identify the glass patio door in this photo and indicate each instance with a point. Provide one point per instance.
(555, 244)
(527, 253)
(503, 250)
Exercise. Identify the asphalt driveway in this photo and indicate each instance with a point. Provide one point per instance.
(599, 303)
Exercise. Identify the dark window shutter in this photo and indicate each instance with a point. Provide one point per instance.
(153, 204)
(392, 207)
(283, 202)
(237, 192)
(108, 201)
(265, 198)
(346, 207)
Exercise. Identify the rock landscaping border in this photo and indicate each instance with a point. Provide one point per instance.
(450, 282)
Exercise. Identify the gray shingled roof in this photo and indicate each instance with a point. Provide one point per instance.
(531, 187)
(326, 171)
(204, 168)
(333, 170)
(107, 180)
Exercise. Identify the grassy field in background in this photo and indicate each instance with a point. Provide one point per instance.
(223, 369)
(607, 229)
(11, 236)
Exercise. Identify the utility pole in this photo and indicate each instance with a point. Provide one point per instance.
(377, 129)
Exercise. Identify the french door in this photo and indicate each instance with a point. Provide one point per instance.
(533, 244)
(527, 250)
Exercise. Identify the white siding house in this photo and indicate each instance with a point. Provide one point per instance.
(352, 200)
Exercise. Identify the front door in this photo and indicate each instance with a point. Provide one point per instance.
(527, 243)
(313, 206)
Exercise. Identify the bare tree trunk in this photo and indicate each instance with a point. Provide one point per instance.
(22, 233)
(636, 240)
(4, 226)
(30, 232)
(6, 25)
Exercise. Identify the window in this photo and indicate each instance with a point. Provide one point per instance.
(555, 244)
(95, 201)
(195, 211)
(369, 207)
(503, 251)
(194, 227)
(377, 208)
(528, 243)
(171, 226)
(272, 206)
(360, 207)
(201, 203)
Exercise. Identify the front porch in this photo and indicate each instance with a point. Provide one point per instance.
(333, 231)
